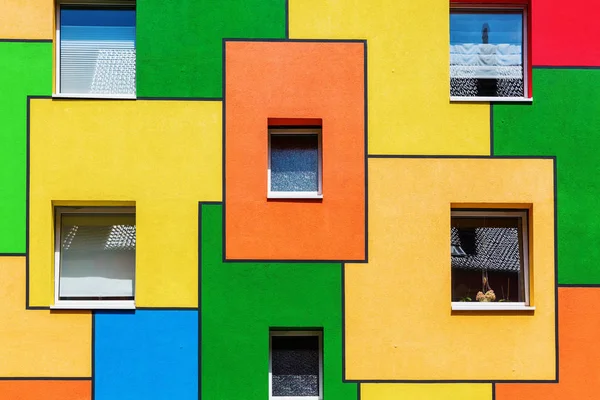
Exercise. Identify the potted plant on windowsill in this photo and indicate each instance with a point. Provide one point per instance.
(486, 294)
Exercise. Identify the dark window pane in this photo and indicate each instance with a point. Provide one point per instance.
(295, 365)
(294, 163)
(486, 54)
(486, 254)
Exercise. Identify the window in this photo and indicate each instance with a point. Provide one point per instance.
(95, 257)
(488, 53)
(295, 166)
(296, 365)
(96, 50)
(489, 259)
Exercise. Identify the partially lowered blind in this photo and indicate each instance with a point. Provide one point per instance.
(97, 255)
(97, 50)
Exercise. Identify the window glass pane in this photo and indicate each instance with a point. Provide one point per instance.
(294, 163)
(486, 54)
(97, 256)
(295, 365)
(97, 50)
(486, 254)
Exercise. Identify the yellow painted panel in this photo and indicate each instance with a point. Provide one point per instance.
(26, 19)
(162, 156)
(435, 391)
(408, 73)
(399, 323)
(39, 343)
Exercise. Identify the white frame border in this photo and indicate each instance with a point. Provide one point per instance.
(85, 304)
(501, 306)
(297, 195)
(319, 334)
(524, 9)
(56, 93)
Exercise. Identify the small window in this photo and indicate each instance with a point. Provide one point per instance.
(488, 53)
(95, 255)
(296, 365)
(295, 167)
(489, 257)
(96, 50)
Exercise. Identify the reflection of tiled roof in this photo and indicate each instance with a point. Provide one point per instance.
(496, 249)
(94, 238)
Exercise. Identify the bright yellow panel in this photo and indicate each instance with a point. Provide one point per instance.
(408, 73)
(399, 322)
(26, 19)
(38, 343)
(161, 156)
(435, 391)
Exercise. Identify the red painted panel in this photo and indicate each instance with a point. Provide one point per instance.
(566, 33)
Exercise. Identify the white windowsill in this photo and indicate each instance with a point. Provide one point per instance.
(491, 306)
(94, 305)
(481, 99)
(93, 96)
(294, 195)
(296, 397)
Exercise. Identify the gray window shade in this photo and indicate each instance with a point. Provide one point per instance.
(97, 50)
(97, 255)
(295, 365)
(294, 163)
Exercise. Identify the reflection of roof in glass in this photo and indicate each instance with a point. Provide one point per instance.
(94, 238)
(496, 249)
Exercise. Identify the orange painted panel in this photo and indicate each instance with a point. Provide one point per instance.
(579, 352)
(46, 389)
(26, 19)
(269, 82)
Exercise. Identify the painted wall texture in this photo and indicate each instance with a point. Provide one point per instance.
(218, 265)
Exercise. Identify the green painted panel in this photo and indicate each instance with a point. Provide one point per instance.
(564, 120)
(25, 69)
(241, 301)
(179, 44)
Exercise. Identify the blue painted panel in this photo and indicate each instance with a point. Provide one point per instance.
(146, 355)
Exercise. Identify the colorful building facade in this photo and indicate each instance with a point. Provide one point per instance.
(297, 170)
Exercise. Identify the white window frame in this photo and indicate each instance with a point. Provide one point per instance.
(83, 3)
(84, 304)
(317, 333)
(525, 239)
(524, 10)
(297, 195)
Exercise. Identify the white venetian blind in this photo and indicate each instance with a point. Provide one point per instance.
(97, 50)
(97, 256)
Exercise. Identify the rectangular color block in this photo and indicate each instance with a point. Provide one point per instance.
(161, 156)
(399, 321)
(290, 80)
(242, 301)
(146, 355)
(39, 343)
(179, 44)
(579, 351)
(427, 391)
(25, 69)
(46, 389)
(26, 19)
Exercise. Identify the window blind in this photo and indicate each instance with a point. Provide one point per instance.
(97, 50)
(97, 256)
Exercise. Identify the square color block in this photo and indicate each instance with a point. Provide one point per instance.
(146, 355)
(160, 156)
(288, 81)
(579, 351)
(398, 317)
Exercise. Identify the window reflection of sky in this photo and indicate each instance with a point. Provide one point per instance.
(97, 24)
(503, 28)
